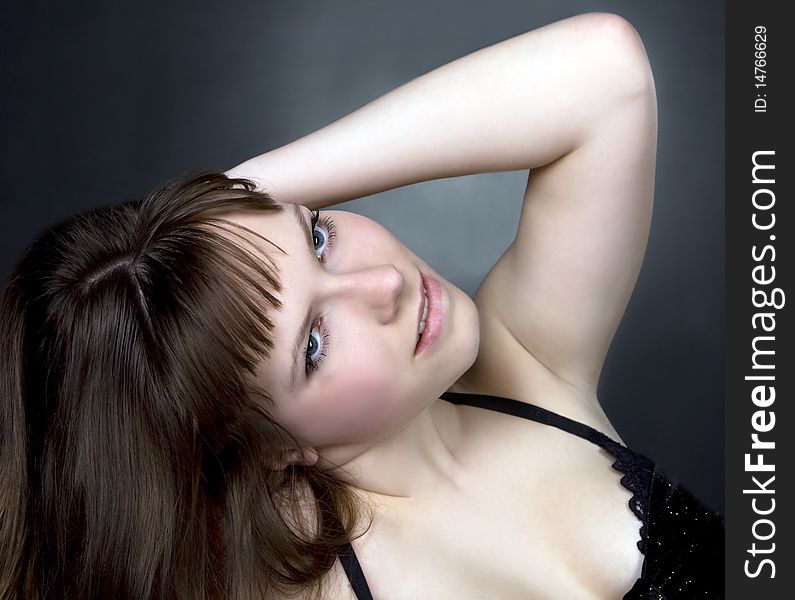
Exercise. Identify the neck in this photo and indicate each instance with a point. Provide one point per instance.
(416, 463)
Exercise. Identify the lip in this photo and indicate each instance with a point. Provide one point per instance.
(435, 318)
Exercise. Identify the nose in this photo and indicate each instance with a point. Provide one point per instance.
(376, 289)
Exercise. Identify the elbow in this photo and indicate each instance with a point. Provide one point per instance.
(621, 54)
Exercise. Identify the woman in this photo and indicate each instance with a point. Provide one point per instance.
(206, 392)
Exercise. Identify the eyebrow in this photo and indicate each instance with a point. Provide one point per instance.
(298, 215)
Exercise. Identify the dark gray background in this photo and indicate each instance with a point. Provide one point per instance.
(101, 101)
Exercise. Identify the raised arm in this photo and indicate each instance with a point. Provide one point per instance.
(575, 102)
(517, 104)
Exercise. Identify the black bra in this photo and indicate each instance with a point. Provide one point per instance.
(681, 540)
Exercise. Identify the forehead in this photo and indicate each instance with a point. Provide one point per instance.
(286, 229)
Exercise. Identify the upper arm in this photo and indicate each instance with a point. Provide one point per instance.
(562, 286)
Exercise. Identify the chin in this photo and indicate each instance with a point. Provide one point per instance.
(466, 340)
(470, 326)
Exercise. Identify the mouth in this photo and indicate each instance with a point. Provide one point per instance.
(429, 313)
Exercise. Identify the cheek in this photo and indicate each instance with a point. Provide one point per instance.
(356, 232)
(365, 397)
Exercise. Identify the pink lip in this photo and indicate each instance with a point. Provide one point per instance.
(435, 318)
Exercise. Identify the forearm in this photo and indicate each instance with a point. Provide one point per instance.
(520, 103)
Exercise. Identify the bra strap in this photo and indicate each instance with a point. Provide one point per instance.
(534, 413)
(354, 572)
(351, 566)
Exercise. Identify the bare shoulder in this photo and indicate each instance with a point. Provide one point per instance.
(504, 367)
(337, 584)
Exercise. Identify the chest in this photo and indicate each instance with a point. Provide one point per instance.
(549, 519)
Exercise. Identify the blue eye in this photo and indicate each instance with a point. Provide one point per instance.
(317, 345)
(316, 348)
(328, 233)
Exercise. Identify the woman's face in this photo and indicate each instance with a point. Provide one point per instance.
(352, 297)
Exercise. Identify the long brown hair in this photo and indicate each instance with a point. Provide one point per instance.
(137, 459)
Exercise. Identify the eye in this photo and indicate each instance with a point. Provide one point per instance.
(318, 342)
(316, 348)
(323, 237)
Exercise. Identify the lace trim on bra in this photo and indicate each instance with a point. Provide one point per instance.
(637, 472)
